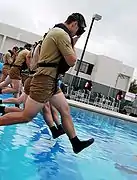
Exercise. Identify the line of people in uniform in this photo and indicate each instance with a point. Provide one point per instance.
(41, 66)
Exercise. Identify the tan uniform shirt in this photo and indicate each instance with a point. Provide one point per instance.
(56, 44)
(21, 58)
(35, 58)
(7, 58)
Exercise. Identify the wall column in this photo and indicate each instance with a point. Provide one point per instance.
(3, 42)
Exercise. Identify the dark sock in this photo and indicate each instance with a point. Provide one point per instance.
(80, 145)
(17, 105)
(1, 101)
(0, 91)
(55, 132)
(61, 130)
(2, 110)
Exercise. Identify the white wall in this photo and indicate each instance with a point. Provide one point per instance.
(18, 34)
(123, 83)
(88, 57)
(107, 70)
(1, 37)
(12, 36)
(127, 70)
(10, 43)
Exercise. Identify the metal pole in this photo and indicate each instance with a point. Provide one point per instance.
(82, 55)
(116, 85)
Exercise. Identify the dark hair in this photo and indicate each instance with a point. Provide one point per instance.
(70, 19)
(10, 51)
(120, 92)
(20, 49)
(15, 48)
(40, 42)
(76, 17)
(45, 35)
(28, 46)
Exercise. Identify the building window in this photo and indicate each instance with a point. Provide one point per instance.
(85, 67)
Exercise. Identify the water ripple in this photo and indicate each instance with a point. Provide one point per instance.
(31, 148)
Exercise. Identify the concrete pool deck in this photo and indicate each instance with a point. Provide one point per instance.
(101, 110)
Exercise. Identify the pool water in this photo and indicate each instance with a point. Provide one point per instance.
(27, 151)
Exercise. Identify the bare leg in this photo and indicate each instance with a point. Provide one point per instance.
(56, 119)
(3, 77)
(60, 103)
(31, 109)
(55, 115)
(16, 87)
(12, 109)
(6, 82)
(47, 115)
(19, 100)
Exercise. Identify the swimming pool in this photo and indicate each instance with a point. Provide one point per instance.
(27, 151)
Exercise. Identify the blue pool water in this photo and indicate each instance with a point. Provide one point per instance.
(27, 151)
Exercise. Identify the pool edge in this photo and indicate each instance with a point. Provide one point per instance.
(101, 111)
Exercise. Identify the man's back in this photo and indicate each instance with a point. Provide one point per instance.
(21, 57)
(49, 49)
(56, 44)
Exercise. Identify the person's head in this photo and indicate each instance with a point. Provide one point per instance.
(11, 52)
(20, 49)
(76, 24)
(40, 42)
(35, 44)
(45, 35)
(28, 46)
(15, 49)
(120, 92)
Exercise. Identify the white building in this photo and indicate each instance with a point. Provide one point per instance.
(106, 73)
(11, 36)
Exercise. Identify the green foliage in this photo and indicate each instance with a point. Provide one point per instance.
(133, 87)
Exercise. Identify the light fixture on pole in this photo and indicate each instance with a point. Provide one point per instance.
(96, 17)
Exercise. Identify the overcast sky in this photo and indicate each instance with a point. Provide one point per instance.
(114, 36)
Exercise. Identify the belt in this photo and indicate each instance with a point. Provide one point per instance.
(6, 64)
(32, 72)
(16, 65)
(47, 64)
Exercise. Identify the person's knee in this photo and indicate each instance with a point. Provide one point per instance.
(27, 117)
(46, 108)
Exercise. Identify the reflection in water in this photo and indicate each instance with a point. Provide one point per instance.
(47, 162)
(39, 157)
(12, 156)
(126, 169)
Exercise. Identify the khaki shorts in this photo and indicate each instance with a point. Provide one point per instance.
(42, 88)
(27, 85)
(15, 73)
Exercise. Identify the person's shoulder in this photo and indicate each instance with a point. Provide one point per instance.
(7, 54)
(59, 33)
(25, 51)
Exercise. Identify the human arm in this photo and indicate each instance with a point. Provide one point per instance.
(66, 49)
(28, 59)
